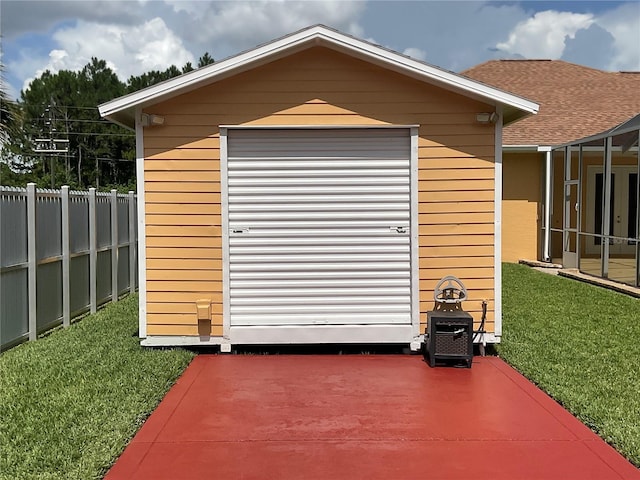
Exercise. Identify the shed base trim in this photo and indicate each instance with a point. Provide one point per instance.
(180, 341)
(244, 338)
(321, 334)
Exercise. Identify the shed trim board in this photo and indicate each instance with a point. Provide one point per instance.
(497, 275)
(142, 229)
(415, 238)
(362, 313)
(224, 206)
(202, 340)
(122, 110)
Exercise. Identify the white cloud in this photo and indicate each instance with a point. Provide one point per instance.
(609, 41)
(134, 36)
(416, 53)
(544, 34)
(189, 6)
(427, 26)
(58, 60)
(173, 32)
(127, 50)
(623, 24)
(240, 25)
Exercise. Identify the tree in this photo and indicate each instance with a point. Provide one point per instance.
(10, 122)
(205, 60)
(12, 164)
(63, 106)
(8, 109)
(151, 78)
(100, 139)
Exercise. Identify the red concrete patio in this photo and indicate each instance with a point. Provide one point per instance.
(361, 417)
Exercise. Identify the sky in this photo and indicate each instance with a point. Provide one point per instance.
(136, 36)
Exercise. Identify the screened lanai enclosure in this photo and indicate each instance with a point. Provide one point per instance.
(592, 193)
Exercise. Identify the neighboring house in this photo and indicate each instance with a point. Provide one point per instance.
(575, 102)
(314, 190)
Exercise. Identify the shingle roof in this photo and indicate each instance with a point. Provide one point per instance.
(575, 101)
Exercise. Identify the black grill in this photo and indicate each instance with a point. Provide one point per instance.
(449, 334)
(449, 337)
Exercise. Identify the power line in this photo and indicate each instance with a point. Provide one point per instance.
(63, 106)
(102, 159)
(78, 120)
(102, 134)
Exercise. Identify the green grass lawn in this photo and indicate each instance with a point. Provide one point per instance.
(580, 344)
(71, 401)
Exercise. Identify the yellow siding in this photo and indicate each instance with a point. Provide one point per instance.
(184, 330)
(315, 87)
(184, 297)
(521, 206)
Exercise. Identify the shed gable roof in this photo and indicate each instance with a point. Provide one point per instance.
(575, 101)
(122, 110)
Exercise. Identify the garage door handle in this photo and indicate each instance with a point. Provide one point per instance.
(399, 229)
(239, 230)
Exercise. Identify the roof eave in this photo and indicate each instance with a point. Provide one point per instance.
(511, 114)
(184, 83)
(125, 118)
(521, 148)
(515, 107)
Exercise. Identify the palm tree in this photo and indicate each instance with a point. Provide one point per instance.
(8, 108)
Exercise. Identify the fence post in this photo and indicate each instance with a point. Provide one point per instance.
(114, 245)
(93, 255)
(32, 260)
(66, 257)
(132, 243)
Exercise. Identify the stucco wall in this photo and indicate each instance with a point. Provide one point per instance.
(521, 205)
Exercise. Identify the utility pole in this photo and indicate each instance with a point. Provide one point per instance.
(80, 165)
(66, 154)
(51, 145)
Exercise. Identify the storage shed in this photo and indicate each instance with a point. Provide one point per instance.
(314, 190)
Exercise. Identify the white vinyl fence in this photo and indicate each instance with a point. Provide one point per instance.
(62, 253)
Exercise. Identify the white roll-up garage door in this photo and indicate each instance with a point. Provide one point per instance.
(318, 229)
